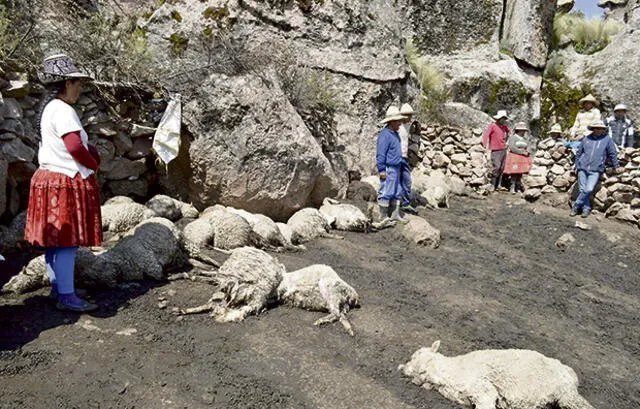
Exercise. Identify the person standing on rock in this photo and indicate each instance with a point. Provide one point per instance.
(620, 127)
(587, 115)
(495, 140)
(518, 161)
(406, 132)
(593, 152)
(388, 164)
(64, 198)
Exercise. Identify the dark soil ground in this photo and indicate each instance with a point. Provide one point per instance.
(497, 281)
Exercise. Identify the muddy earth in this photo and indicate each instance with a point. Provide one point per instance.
(497, 281)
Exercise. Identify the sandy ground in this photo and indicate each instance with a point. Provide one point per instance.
(497, 281)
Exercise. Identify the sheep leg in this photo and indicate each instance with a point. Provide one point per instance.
(346, 324)
(199, 309)
(327, 319)
(331, 236)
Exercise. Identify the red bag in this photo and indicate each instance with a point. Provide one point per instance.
(517, 164)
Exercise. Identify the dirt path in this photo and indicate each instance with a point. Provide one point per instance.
(497, 281)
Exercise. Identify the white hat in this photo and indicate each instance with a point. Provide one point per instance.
(597, 124)
(620, 107)
(556, 128)
(393, 114)
(501, 114)
(521, 126)
(406, 109)
(589, 98)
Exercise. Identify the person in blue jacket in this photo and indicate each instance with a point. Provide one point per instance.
(388, 162)
(591, 156)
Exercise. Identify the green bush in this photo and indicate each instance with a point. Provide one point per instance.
(587, 36)
(431, 81)
(18, 39)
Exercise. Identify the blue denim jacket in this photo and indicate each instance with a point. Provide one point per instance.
(389, 149)
(593, 152)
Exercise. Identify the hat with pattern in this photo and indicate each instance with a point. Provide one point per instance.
(60, 67)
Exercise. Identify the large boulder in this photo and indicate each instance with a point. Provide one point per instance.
(4, 166)
(527, 29)
(253, 150)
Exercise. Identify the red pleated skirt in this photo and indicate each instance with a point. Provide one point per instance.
(63, 211)
(516, 164)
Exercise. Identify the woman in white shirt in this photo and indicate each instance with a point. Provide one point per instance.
(64, 198)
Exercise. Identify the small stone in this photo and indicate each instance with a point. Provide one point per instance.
(127, 332)
(582, 226)
(163, 304)
(171, 292)
(565, 241)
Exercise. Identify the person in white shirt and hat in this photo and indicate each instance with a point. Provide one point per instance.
(588, 114)
(64, 197)
(405, 131)
(620, 127)
(388, 164)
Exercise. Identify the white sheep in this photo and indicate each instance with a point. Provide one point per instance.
(435, 188)
(265, 229)
(344, 216)
(497, 379)
(319, 288)
(144, 252)
(421, 232)
(248, 282)
(196, 236)
(231, 231)
(120, 216)
(308, 224)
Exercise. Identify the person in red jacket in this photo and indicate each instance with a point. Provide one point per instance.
(64, 197)
(495, 140)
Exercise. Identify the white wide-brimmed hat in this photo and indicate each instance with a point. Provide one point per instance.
(521, 126)
(406, 109)
(501, 114)
(597, 124)
(620, 107)
(556, 128)
(589, 98)
(393, 114)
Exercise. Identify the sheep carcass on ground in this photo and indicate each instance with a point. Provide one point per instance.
(497, 379)
(230, 230)
(170, 208)
(319, 288)
(308, 224)
(248, 282)
(196, 236)
(144, 252)
(266, 231)
(120, 214)
(344, 216)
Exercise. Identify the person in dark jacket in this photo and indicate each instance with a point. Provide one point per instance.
(388, 163)
(591, 156)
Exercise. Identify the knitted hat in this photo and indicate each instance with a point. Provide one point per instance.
(60, 67)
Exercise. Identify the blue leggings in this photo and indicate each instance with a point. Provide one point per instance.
(61, 262)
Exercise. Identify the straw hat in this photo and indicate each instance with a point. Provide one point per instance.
(60, 67)
(521, 126)
(589, 98)
(393, 114)
(556, 128)
(620, 107)
(501, 114)
(597, 124)
(406, 109)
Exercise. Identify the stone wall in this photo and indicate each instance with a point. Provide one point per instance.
(458, 154)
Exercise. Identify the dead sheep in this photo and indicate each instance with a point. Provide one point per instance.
(248, 283)
(265, 229)
(196, 236)
(497, 379)
(343, 216)
(230, 230)
(170, 208)
(120, 216)
(308, 224)
(421, 232)
(144, 252)
(435, 188)
(319, 288)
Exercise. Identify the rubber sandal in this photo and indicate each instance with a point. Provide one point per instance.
(85, 306)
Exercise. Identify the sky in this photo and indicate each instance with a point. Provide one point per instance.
(589, 8)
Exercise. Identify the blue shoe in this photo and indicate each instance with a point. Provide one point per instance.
(71, 302)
